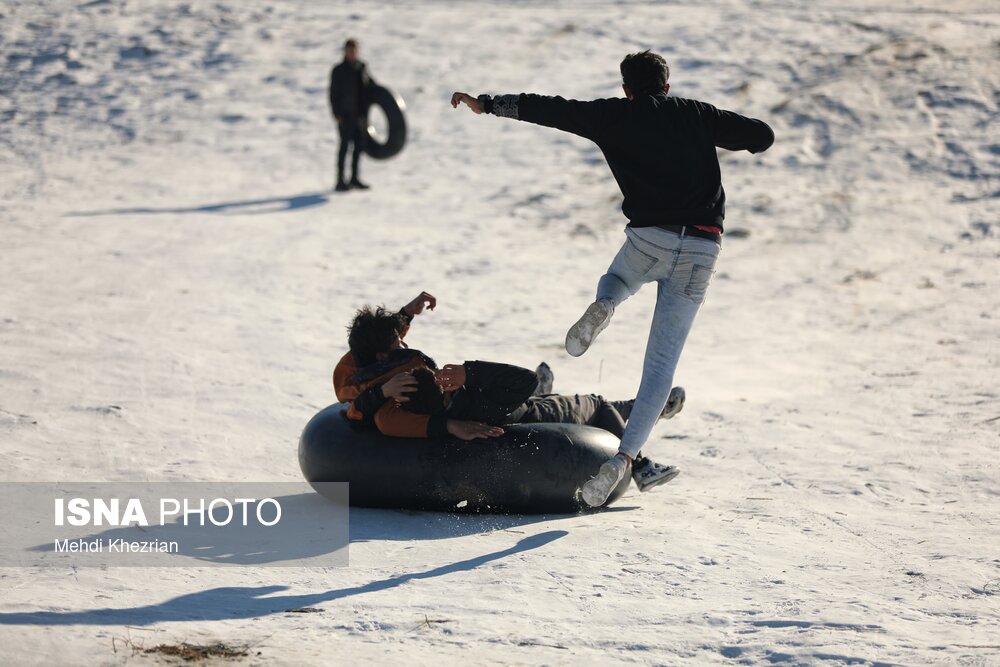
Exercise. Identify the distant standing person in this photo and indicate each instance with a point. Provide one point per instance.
(350, 86)
(662, 152)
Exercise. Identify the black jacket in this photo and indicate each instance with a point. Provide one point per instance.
(349, 89)
(661, 149)
(492, 392)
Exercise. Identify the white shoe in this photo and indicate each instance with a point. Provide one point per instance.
(582, 334)
(675, 403)
(596, 490)
(648, 474)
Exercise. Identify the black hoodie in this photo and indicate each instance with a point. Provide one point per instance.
(661, 149)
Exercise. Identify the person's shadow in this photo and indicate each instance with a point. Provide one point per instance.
(241, 602)
(243, 207)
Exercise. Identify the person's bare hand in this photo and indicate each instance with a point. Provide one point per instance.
(399, 386)
(469, 100)
(425, 300)
(464, 430)
(451, 377)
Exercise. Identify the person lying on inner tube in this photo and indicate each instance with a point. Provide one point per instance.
(376, 371)
(494, 394)
(374, 375)
(381, 374)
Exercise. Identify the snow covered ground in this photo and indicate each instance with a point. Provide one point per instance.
(177, 275)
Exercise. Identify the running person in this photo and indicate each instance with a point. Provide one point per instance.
(662, 152)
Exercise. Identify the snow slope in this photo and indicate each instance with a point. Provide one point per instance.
(177, 277)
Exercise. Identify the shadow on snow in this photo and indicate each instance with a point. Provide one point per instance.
(247, 206)
(241, 602)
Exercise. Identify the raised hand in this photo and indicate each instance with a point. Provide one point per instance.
(425, 300)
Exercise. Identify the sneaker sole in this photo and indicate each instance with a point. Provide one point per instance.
(596, 491)
(582, 334)
(663, 480)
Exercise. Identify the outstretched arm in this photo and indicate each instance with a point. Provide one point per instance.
(586, 119)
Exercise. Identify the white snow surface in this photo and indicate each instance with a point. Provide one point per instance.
(177, 277)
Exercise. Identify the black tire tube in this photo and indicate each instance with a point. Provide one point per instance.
(392, 105)
(531, 469)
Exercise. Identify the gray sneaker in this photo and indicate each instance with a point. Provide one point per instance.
(582, 334)
(597, 489)
(545, 379)
(648, 474)
(675, 403)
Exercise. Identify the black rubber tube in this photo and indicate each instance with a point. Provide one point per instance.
(531, 469)
(392, 105)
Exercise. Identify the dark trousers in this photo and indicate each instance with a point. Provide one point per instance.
(589, 409)
(353, 131)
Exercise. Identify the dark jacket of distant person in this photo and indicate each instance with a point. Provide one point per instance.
(350, 86)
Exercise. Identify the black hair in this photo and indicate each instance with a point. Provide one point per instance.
(645, 73)
(427, 398)
(351, 42)
(372, 331)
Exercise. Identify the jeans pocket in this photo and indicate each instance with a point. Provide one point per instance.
(697, 285)
(636, 260)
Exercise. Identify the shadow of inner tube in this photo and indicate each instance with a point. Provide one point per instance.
(392, 105)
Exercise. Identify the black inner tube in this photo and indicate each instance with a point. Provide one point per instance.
(531, 469)
(392, 105)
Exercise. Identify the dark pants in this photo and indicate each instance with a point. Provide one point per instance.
(352, 131)
(589, 409)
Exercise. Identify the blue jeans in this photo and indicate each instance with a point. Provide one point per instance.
(682, 268)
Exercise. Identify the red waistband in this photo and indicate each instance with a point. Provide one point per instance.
(710, 230)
